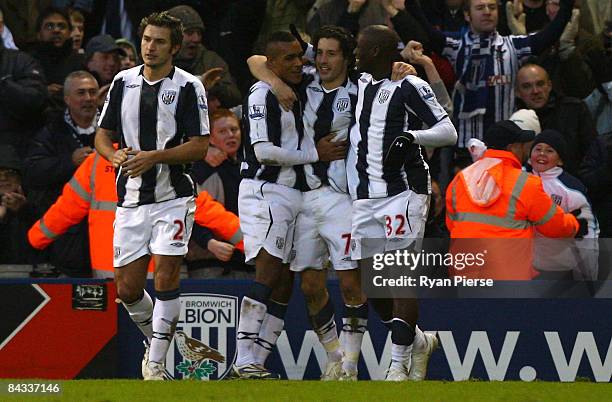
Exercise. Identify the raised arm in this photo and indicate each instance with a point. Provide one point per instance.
(542, 40)
(437, 39)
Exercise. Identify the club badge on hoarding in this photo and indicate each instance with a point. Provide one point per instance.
(204, 344)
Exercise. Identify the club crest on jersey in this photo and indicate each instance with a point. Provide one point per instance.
(426, 93)
(204, 345)
(384, 96)
(168, 96)
(257, 112)
(280, 243)
(342, 104)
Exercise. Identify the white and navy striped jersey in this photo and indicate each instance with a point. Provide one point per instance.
(385, 110)
(328, 112)
(486, 70)
(264, 120)
(150, 116)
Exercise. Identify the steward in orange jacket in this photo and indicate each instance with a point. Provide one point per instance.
(494, 198)
(92, 191)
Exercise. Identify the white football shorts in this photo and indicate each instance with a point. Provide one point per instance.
(323, 231)
(163, 228)
(267, 213)
(386, 224)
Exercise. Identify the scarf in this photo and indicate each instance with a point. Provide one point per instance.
(471, 89)
(78, 131)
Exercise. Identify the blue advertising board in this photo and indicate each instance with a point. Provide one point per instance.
(517, 339)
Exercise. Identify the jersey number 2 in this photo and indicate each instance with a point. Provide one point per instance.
(179, 233)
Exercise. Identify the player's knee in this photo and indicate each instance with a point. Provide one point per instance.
(166, 279)
(311, 288)
(351, 290)
(128, 294)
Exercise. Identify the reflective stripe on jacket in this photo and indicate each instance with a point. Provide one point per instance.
(92, 191)
(494, 198)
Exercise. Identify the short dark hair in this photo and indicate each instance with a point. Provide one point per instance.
(468, 3)
(165, 20)
(343, 36)
(278, 37)
(50, 11)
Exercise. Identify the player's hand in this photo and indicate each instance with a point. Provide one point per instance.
(330, 150)
(215, 156)
(101, 96)
(402, 70)
(120, 156)
(284, 94)
(3, 212)
(79, 155)
(140, 163)
(13, 201)
(223, 251)
(211, 77)
(55, 89)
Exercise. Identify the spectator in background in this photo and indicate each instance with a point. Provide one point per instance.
(102, 58)
(56, 152)
(131, 58)
(54, 51)
(480, 205)
(196, 59)
(78, 30)
(219, 175)
(446, 15)
(22, 97)
(486, 64)
(62, 145)
(570, 116)
(16, 212)
(563, 259)
(353, 15)
(7, 36)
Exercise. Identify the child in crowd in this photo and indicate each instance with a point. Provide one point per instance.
(563, 258)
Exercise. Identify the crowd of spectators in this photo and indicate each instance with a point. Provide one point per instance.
(58, 58)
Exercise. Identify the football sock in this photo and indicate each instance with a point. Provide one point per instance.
(354, 325)
(141, 312)
(165, 316)
(271, 328)
(324, 325)
(402, 337)
(252, 313)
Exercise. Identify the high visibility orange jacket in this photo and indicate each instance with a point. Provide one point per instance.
(92, 191)
(494, 198)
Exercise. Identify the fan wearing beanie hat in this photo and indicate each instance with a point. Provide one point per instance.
(548, 151)
(559, 259)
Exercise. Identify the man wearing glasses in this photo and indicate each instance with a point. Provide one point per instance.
(54, 50)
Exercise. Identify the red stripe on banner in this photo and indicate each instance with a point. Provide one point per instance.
(59, 341)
